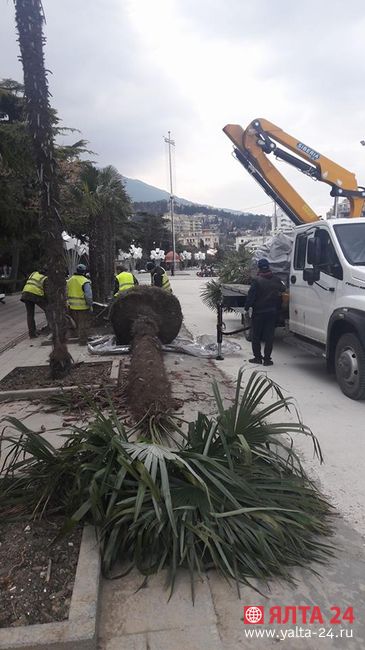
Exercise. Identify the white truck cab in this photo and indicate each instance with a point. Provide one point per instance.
(327, 296)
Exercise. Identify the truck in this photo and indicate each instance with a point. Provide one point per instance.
(326, 283)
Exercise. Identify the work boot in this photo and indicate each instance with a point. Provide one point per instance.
(268, 362)
(254, 360)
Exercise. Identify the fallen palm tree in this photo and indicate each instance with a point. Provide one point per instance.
(232, 495)
(145, 317)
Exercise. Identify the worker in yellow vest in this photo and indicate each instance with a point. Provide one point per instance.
(159, 277)
(123, 280)
(80, 301)
(35, 293)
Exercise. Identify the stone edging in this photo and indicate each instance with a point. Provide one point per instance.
(34, 393)
(79, 631)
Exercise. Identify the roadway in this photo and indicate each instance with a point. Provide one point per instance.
(337, 421)
(13, 320)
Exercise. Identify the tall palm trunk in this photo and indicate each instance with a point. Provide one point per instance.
(97, 252)
(29, 20)
(101, 255)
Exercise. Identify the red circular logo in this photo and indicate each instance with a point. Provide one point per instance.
(253, 614)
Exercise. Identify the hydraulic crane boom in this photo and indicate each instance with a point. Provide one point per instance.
(252, 147)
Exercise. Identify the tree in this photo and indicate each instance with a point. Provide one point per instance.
(20, 238)
(97, 209)
(109, 206)
(29, 21)
(19, 203)
(152, 232)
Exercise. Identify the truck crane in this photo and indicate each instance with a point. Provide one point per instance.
(327, 269)
(252, 148)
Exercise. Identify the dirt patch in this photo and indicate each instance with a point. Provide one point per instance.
(36, 576)
(82, 374)
(191, 383)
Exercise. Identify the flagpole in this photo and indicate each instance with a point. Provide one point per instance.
(171, 143)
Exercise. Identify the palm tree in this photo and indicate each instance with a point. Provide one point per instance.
(105, 207)
(29, 21)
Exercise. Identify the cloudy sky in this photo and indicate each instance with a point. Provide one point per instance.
(127, 71)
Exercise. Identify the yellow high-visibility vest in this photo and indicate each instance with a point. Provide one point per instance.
(166, 282)
(125, 281)
(75, 293)
(35, 284)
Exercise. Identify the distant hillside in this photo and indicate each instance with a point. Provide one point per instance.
(230, 219)
(150, 199)
(140, 191)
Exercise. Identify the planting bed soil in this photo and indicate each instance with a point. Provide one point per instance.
(36, 576)
(82, 374)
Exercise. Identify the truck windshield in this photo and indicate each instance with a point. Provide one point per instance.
(351, 238)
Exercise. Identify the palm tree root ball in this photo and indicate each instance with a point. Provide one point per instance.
(147, 317)
(157, 305)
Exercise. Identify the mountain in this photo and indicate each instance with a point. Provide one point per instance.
(148, 198)
(141, 192)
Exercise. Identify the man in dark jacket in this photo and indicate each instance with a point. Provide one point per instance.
(264, 298)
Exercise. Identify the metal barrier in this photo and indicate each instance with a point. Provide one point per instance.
(221, 326)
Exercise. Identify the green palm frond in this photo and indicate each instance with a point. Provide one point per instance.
(233, 495)
(211, 294)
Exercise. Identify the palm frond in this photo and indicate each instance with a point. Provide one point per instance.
(233, 495)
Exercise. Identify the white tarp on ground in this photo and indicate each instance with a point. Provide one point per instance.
(277, 251)
(204, 346)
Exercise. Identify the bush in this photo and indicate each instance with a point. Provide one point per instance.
(234, 269)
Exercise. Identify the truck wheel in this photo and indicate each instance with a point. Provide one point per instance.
(246, 322)
(350, 366)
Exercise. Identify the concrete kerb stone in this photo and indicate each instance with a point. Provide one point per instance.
(35, 393)
(79, 631)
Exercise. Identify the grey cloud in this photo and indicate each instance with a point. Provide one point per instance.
(306, 22)
(313, 45)
(102, 82)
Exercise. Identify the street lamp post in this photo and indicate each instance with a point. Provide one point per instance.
(171, 143)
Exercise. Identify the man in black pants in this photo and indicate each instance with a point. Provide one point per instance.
(264, 298)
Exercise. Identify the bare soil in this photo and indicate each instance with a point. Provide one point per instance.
(36, 576)
(82, 374)
(191, 391)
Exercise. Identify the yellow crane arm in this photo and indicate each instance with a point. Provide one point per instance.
(252, 147)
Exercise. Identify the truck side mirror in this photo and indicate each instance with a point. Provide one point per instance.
(311, 275)
(314, 251)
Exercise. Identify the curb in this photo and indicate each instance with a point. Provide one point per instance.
(79, 631)
(13, 342)
(35, 393)
(17, 339)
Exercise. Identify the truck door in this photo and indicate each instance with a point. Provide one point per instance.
(322, 294)
(298, 288)
(313, 304)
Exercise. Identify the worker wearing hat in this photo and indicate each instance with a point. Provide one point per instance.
(264, 299)
(80, 301)
(159, 277)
